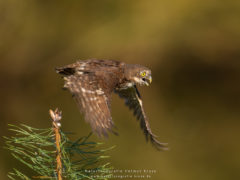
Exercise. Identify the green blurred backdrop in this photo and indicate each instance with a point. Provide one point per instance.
(192, 47)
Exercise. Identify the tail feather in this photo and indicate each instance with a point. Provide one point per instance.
(65, 71)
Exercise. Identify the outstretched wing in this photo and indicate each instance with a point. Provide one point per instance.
(92, 97)
(133, 101)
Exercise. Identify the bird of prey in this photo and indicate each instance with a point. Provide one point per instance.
(92, 82)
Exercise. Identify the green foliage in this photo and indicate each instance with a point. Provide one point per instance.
(35, 148)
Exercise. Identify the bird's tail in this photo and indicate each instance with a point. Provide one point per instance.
(65, 71)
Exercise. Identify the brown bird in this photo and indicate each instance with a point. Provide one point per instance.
(92, 82)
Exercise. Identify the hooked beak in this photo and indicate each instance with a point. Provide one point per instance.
(148, 80)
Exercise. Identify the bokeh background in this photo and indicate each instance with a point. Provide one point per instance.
(192, 47)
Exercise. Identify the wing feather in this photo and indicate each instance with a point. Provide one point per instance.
(92, 100)
(133, 101)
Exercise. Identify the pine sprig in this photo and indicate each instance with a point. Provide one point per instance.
(36, 149)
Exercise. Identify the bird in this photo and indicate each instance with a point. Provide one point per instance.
(92, 82)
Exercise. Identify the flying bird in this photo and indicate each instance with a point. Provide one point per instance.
(92, 82)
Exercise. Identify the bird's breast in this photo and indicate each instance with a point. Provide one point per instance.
(125, 85)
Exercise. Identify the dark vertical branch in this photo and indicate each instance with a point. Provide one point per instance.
(56, 117)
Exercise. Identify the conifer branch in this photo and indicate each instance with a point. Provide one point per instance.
(56, 117)
(51, 155)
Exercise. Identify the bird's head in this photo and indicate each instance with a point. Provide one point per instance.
(138, 74)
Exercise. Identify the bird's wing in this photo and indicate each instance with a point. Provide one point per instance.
(92, 97)
(133, 101)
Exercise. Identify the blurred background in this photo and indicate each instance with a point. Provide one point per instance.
(192, 48)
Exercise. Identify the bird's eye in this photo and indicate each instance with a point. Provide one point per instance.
(143, 74)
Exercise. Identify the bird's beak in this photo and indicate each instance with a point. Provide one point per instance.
(149, 80)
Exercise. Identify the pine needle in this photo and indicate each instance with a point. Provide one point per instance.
(52, 158)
